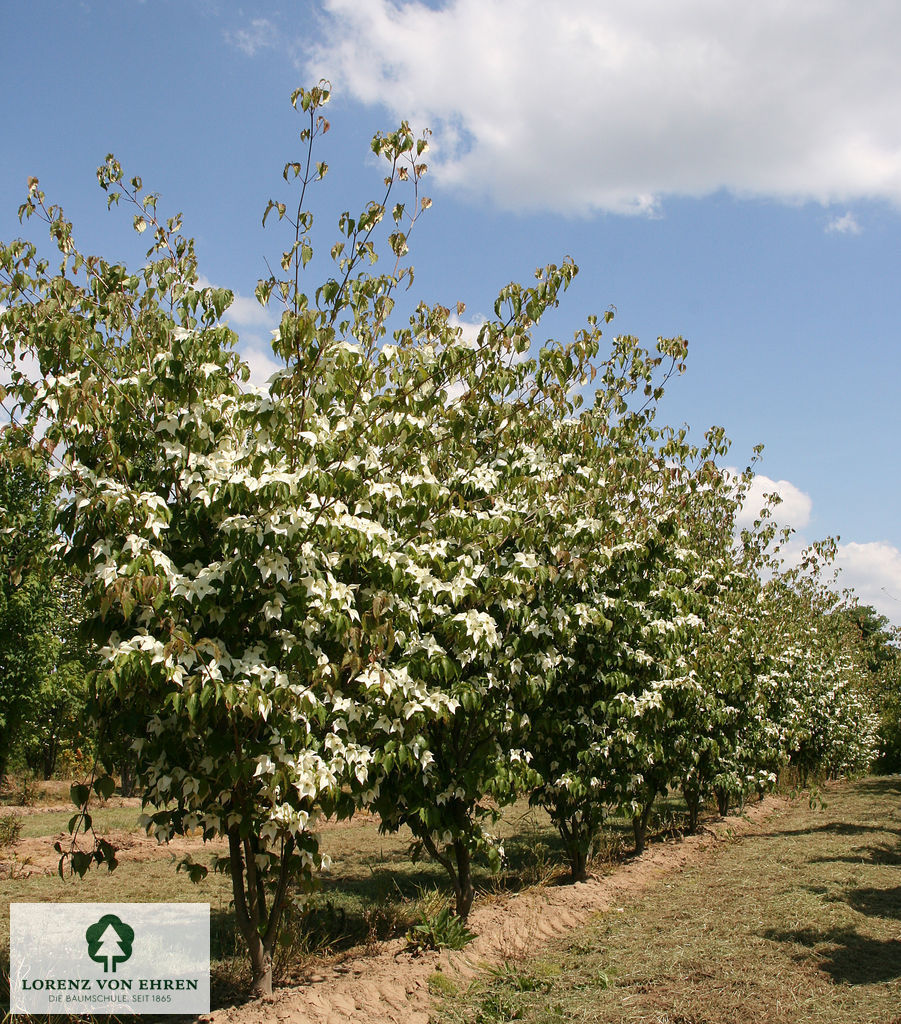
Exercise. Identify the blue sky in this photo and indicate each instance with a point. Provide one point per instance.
(731, 174)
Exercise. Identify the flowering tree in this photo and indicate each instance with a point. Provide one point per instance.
(615, 733)
(236, 545)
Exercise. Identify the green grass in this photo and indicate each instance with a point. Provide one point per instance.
(51, 823)
(373, 891)
(796, 924)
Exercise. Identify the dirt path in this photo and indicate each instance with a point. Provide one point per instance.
(391, 986)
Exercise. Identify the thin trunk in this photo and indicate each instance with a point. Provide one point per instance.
(693, 800)
(459, 870)
(722, 800)
(247, 916)
(49, 758)
(578, 864)
(578, 849)
(640, 824)
(127, 778)
(463, 888)
(260, 930)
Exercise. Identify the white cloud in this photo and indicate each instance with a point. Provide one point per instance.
(244, 311)
(258, 35)
(874, 571)
(247, 312)
(794, 509)
(24, 362)
(470, 333)
(261, 364)
(600, 105)
(844, 225)
(469, 329)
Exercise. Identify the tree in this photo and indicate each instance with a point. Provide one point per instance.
(224, 535)
(28, 610)
(880, 644)
(488, 557)
(365, 584)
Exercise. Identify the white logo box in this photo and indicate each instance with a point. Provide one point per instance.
(80, 958)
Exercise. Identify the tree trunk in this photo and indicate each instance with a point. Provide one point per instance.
(693, 800)
(261, 966)
(4, 759)
(722, 801)
(578, 864)
(458, 868)
(463, 888)
(49, 758)
(127, 777)
(640, 825)
(259, 928)
(578, 849)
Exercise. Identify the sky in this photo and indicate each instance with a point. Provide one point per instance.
(728, 173)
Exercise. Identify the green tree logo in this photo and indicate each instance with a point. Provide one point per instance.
(109, 942)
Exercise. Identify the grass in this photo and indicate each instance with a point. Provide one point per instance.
(50, 823)
(796, 924)
(373, 891)
(24, 790)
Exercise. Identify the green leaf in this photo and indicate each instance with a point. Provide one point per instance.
(79, 794)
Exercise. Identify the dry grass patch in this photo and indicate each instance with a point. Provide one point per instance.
(796, 923)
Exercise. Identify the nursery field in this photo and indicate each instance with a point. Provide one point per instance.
(792, 914)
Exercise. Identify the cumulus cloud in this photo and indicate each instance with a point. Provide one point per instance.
(598, 105)
(247, 312)
(256, 322)
(844, 225)
(24, 362)
(244, 311)
(874, 572)
(261, 364)
(258, 35)
(872, 569)
(793, 510)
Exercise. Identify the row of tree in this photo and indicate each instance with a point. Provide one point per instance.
(422, 573)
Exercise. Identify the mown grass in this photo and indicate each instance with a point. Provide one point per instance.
(50, 823)
(798, 924)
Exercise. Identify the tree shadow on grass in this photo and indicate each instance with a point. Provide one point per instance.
(845, 955)
(879, 784)
(836, 828)
(876, 902)
(878, 856)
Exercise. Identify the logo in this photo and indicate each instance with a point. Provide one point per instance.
(81, 959)
(109, 942)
